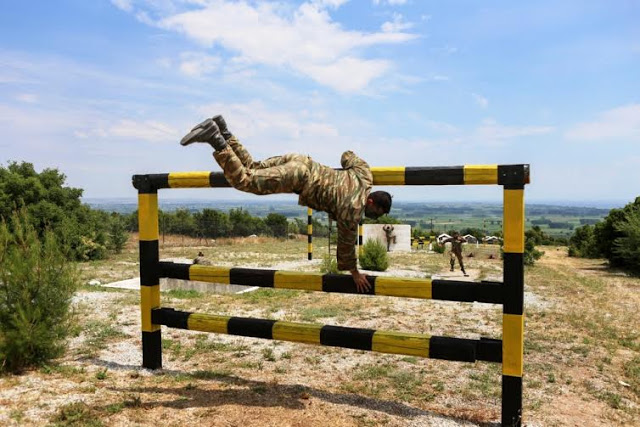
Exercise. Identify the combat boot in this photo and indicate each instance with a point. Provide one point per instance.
(222, 125)
(208, 132)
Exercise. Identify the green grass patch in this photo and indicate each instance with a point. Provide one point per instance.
(183, 293)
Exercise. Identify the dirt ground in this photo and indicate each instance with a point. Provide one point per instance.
(582, 351)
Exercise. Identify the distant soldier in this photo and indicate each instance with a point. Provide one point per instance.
(344, 194)
(388, 231)
(200, 259)
(456, 250)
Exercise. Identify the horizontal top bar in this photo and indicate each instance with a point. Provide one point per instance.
(507, 175)
(423, 288)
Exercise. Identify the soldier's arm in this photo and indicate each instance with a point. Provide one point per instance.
(350, 160)
(346, 254)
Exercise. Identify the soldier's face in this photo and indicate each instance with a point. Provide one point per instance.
(372, 211)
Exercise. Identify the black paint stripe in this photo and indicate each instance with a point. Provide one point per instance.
(174, 270)
(149, 262)
(170, 317)
(449, 290)
(446, 348)
(513, 177)
(252, 277)
(152, 350)
(338, 336)
(248, 327)
(344, 284)
(513, 283)
(217, 180)
(451, 175)
(489, 350)
(511, 401)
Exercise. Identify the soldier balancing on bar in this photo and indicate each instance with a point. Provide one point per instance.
(344, 194)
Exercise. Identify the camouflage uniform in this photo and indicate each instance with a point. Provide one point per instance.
(340, 193)
(456, 251)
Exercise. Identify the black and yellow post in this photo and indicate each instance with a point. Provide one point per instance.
(360, 236)
(149, 276)
(309, 234)
(514, 178)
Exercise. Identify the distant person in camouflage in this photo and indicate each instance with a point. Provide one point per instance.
(200, 259)
(344, 194)
(456, 250)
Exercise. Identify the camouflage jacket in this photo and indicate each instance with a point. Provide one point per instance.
(343, 195)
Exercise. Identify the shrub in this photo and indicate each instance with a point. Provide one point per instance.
(329, 265)
(374, 256)
(36, 287)
(438, 248)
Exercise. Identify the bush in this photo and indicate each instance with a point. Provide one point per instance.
(627, 247)
(374, 256)
(36, 287)
(329, 265)
(438, 248)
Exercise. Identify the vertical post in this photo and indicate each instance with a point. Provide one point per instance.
(149, 278)
(513, 315)
(360, 235)
(309, 234)
(329, 239)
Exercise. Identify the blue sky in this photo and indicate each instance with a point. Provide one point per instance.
(105, 89)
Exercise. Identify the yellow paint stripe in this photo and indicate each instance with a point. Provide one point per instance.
(309, 211)
(297, 280)
(298, 332)
(513, 221)
(481, 174)
(149, 299)
(208, 323)
(148, 216)
(512, 344)
(310, 248)
(189, 179)
(388, 176)
(403, 287)
(205, 273)
(401, 343)
(310, 229)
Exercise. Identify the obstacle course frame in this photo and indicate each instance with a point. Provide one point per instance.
(509, 293)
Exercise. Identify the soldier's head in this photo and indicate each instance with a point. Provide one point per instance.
(378, 204)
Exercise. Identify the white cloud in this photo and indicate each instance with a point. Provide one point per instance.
(197, 64)
(390, 2)
(305, 40)
(397, 24)
(255, 119)
(123, 4)
(619, 123)
(490, 130)
(480, 100)
(148, 130)
(29, 98)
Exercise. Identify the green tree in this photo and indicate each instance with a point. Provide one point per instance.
(277, 224)
(118, 235)
(52, 206)
(213, 223)
(626, 248)
(582, 243)
(36, 287)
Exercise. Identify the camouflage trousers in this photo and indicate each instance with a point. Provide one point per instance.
(452, 259)
(280, 174)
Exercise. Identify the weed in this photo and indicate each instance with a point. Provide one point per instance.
(268, 354)
(102, 374)
(183, 293)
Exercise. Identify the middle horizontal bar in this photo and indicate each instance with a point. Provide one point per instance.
(448, 290)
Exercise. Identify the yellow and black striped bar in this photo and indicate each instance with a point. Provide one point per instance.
(400, 175)
(513, 306)
(149, 278)
(360, 237)
(309, 234)
(447, 290)
(434, 347)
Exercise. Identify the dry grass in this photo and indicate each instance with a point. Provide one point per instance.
(582, 352)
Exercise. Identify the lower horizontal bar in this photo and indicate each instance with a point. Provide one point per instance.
(434, 347)
(448, 290)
